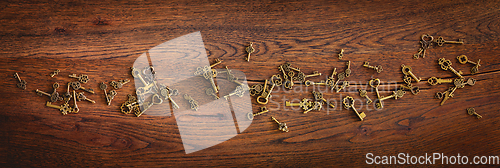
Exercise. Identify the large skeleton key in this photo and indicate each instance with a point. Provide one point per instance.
(440, 41)
(446, 65)
(64, 108)
(348, 102)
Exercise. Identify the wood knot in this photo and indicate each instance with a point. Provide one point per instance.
(98, 21)
(59, 30)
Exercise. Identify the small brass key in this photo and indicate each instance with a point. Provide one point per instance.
(446, 65)
(263, 110)
(363, 93)
(22, 83)
(463, 60)
(249, 50)
(348, 102)
(472, 111)
(407, 71)
(281, 125)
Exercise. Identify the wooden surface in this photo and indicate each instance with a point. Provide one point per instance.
(103, 39)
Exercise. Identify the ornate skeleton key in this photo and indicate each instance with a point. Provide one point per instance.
(210, 92)
(348, 102)
(341, 54)
(330, 80)
(288, 83)
(301, 76)
(344, 85)
(111, 96)
(463, 60)
(265, 94)
(119, 84)
(146, 89)
(76, 85)
(82, 97)
(136, 73)
(434, 81)
(263, 110)
(413, 89)
(103, 87)
(64, 108)
(281, 125)
(207, 74)
(305, 104)
(472, 111)
(67, 96)
(82, 78)
(396, 94)
(446, 65)
(276, 79)
(256, 89)
(167, 93)
(340, 76)
(374, 83)
(440, 41)
(317, 106)
(348, 69)
(194, 103)
(54, 96)
(318, 96)
(448, 94)
(75, 106)
(240, 90)
(376, 68)
(407, 71)
(54, 73)
(309, 83)
(22, 83)
(249, 50)
(130, 105)
(288, 67)
(363, 93)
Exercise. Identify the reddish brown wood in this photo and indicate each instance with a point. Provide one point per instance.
(103, 39)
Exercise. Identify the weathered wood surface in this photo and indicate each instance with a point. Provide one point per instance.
(103, 39)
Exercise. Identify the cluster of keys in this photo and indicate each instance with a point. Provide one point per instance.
(348, 101)
(151, 93)
(154, 93)
(459, 82)
(209, 74)
(66, 97)
(426, 41)
(291, 74)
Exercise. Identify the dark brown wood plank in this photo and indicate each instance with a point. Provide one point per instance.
(103, 39)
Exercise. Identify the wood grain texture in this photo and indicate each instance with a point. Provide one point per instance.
(103, 39)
